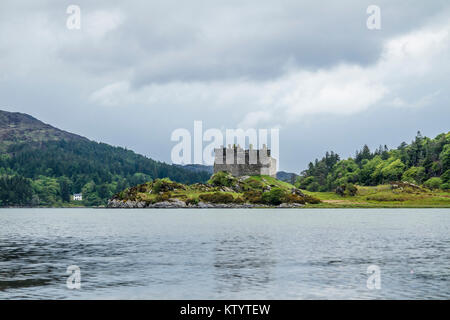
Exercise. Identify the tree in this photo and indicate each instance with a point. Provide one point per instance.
(393, 171)
(64, 188)
(433, 183)
(15, 190)
(414, 175)
(444, 157)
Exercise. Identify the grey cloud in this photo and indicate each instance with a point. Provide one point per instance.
(50, 72)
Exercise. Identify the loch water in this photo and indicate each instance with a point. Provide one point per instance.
(225, 253)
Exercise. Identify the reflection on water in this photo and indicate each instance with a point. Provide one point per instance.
(243, 261)
(224, 254)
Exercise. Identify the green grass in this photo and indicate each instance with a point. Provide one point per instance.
(382, 197)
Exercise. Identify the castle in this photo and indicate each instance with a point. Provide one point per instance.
(240, 162)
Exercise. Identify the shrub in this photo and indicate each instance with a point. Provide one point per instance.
(313, 187)
(239, 200)
(165, 196)
(222, 179)
(433, 183)
(294, 198)
(217, 197)
(253, 196)
(311, 199)
(274, 197)
(191, 201)
(348, 189)
(165, 185)
(304, 182)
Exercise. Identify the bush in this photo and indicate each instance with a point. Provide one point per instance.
(433, 183)
(273, 197)
(222, 179)
(304, 182)
(313, 187)
(253, 196)
(217, 197)
(348, 189)
(165, 185)
(165, 196)
(311, 199)
(294, 198)
(191, 201)
(239, 200)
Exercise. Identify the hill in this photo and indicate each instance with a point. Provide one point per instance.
(222, 190)
(18, 128)
(43, 165)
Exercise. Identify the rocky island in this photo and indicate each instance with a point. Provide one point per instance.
(223, 190)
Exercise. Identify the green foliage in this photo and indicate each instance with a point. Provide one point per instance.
(313, 187)
(192, 201)
(311, 199)
(58, 169)
(348, 189)
(222, 179)
(253, 196)
(414, 175)
(15, 190)
(394, 170)
(164, 196)
(444, 157)
(273, 197)
(417, 162)
(294, 198)
(433, 183)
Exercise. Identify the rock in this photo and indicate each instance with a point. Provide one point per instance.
(290, 205)
(243, 178)
(177, 203)
(202, 204)
(237, 187)
(297, 192)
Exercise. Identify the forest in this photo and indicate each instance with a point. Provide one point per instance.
(424, 161)
(48, 173)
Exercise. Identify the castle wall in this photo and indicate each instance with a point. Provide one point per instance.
(241, 162)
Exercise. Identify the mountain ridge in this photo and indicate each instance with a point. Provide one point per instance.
(48, 164)
(17, 127)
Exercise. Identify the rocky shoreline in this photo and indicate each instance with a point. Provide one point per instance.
(176, 203)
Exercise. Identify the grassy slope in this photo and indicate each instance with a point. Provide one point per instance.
(145, 192)
(382, 197)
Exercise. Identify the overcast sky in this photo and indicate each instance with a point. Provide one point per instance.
(136, 71)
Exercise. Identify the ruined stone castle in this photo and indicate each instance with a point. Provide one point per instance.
(240, 162)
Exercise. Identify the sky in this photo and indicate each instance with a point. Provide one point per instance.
(135, 71)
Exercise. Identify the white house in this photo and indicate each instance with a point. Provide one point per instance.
(77, 197)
